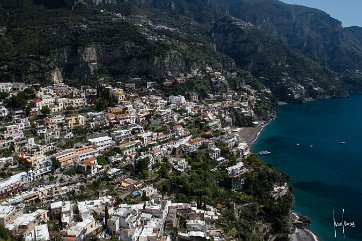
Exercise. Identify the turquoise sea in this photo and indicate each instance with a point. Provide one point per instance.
(304, 142)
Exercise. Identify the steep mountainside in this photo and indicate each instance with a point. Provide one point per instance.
(288, 72)
(356, 32)
(300, 53)
(86, 43)
(312, 31)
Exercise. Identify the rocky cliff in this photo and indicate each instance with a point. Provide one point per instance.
(300, 53)
(286, 71)
(311, 31)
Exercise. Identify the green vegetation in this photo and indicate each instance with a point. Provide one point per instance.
(4, 234)
(200, 86)
(37, 38)
(141, 168)
(70, 143)
(104, 99)
(71, 171)
(102, 160)
(240, 119)
(20, 101)
(253, 206)
(45, 110)
(3, 95)
(55, 164)
(281, 75)
(36, 34)
(6, 152)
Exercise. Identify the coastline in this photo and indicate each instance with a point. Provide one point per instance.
(301, 233)
(251, 135)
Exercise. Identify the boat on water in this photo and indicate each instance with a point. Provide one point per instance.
(342, 142)
(264, 153)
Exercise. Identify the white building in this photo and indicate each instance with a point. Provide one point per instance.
(193, 145)
(101, 143)
(7, 214)
(24, 224)
(177, 99)
(13, 132)
(214, 153)
(236, 170)
(236, 174)
(87, 152)
(6, 160)
(196, 225)
(6, 87)
(3, 111)
(38, 233)
(12, 185)
(121, 135)
(40, 165)
(23, 123)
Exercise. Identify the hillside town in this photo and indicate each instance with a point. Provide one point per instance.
(88, 162)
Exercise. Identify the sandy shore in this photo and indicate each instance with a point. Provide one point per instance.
(250, 134)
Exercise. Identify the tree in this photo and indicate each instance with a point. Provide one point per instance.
(141, 168)
(20, 100)
(55, 164)
(16, 102)
(163, 171)
(4, 234)
(3, 95)
(102, 160)
(45, 110)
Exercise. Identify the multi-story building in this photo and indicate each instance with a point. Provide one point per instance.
(7, 214)
(89, 166)
(12, 185)
(6, 87)
(66, 157)
(75, 120)
(58, 119)
(49, 132)
(23, 123)
(214, 152)
(86, 152)
(5, 144)
(101, 143)
(26, 222)
(194, 144)
(13, 132)
(236, 174)
(39, 164)
(121, 135)
(118, 94)
(177, 99)
(39, 232)
(76, 102)
(130, 148)
(19, 86)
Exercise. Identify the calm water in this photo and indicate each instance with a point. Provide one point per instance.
(326, 175)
